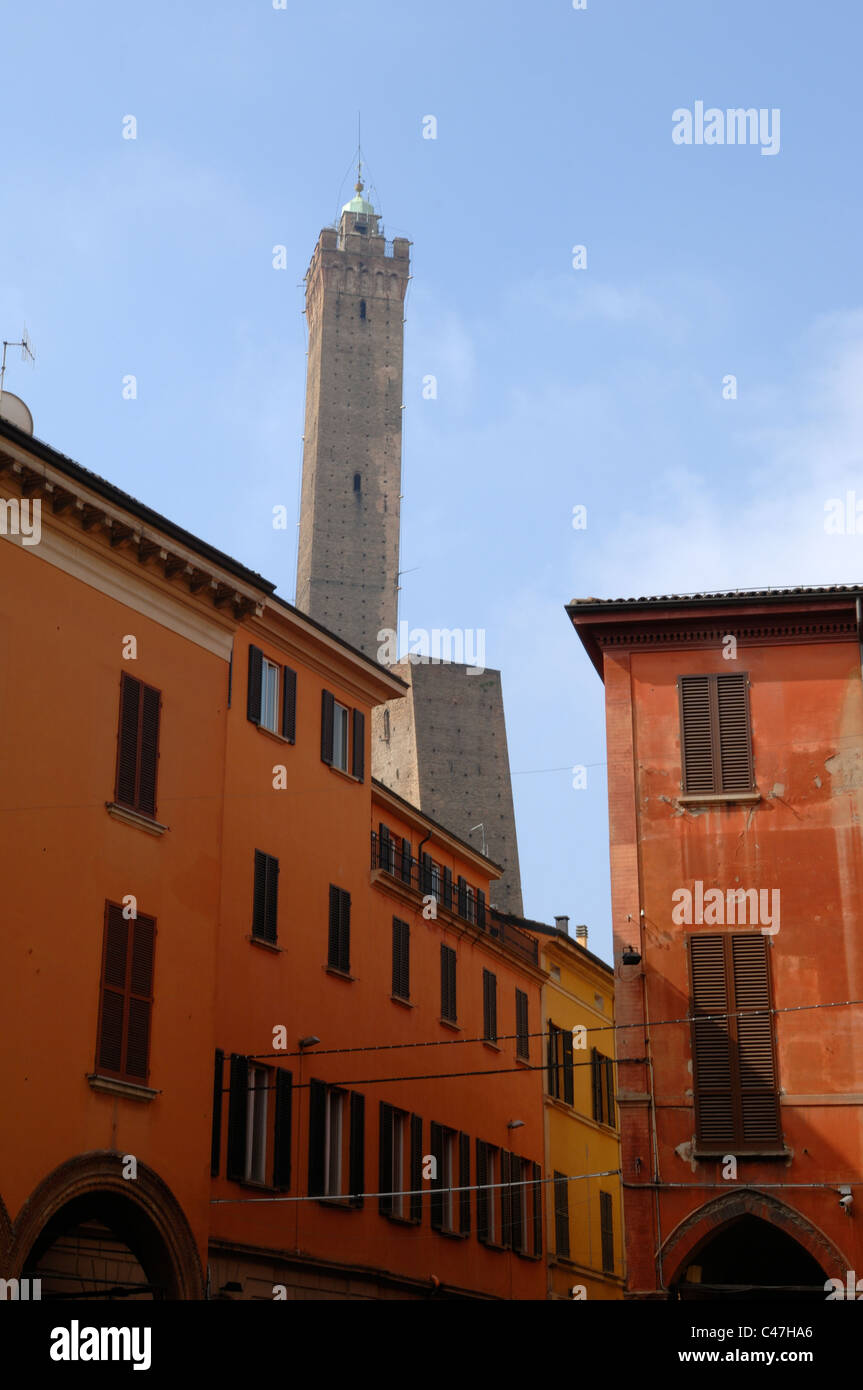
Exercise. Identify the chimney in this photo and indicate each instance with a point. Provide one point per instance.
(581, 935)
(562, 924)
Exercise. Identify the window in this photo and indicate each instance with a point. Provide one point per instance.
(560, 1067)
(125, 995)
(269, 695)
(339, 937)
(489, 1006)
(522, 1207)
(400, 1154)
(358, 483)
(716, 736)
(386, 849)
(606, 1227)
(343, 736)
(561, 1215)
(488, 1228)
(252, 1135)
(336, 1143)
(736, 1100)
(434, 886)
(340, 736)
(272, 695)
(447, 984)
(362, 301)
(602, 1079)
(265, 898)
(522, 1039)
(333, 1151)
(401, 959)
(406, 862)
(137, 746)
(256, 1125)
(450, 1209)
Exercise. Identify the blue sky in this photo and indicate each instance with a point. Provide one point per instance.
(557, 387)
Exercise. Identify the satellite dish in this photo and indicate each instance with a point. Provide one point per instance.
(13, 409)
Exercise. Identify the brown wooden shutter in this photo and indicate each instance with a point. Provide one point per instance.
(759, 1103)
(561, 1215)
(568, 1075)
(255, 683)
(283, 1129)
(385, 1158)
(426, 873)
(447, 888)
(317, 1136)
(401, 959)
(711, 1043)
(736, 1101)
(610, 1115)
(112, 1012)
(505, 1191)
(289, 704)
(716, 734)
(447, 983)
(464, 1183)
(606, 1227)
(150, 702)
(265, 899)
(237, 1111)
(522, 1044)
(406, 861)
(357, 1155)
(143, 933)
(137, 745)
(552, 1061)
(358, 750)
(518, 1235)
(339, 937)
(735, 739)
(436, 1142)
(125, 791)
(462, 897)
(489, 1005)
(416, 1199)
(480, 908)
(537, 1209)
(596, 1080)
(482, 1192)
(216, 1136)
(327, 711)
(697, 734)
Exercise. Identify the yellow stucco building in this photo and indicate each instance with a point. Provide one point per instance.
(584, 1225)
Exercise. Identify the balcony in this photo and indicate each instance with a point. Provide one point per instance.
(458, 897)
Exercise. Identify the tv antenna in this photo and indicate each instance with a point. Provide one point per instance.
(27, 354)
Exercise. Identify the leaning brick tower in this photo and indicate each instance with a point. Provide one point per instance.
(347, 568)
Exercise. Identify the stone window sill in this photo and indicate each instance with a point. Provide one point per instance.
(339, 974)
(114, 1087)
(717, 798)
(450, 1023)
(271, 733)
(136, 818)
(405, 1003)
(267, 945)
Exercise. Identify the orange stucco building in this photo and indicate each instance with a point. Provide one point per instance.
(734, 725)
(269, 1040)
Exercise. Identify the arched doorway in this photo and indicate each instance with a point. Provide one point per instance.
(749, 1245)
(750, 1258)
(89, 1234)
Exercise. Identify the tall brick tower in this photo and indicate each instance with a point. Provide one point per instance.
(348, 562)
(443, 746)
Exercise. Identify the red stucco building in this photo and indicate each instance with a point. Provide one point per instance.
(735, 774)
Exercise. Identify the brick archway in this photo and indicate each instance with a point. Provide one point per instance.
(695, 1231)
(150, 1211)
